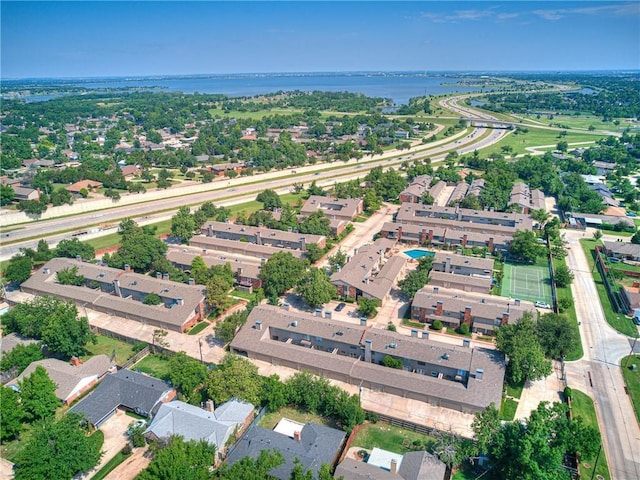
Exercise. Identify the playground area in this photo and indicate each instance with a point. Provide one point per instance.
(526, 282)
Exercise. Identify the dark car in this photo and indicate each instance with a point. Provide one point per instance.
(340, 306)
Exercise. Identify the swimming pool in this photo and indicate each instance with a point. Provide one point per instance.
(417, 253)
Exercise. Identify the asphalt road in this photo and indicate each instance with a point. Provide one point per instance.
(598, 373)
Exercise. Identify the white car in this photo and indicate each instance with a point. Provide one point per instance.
(542, 305)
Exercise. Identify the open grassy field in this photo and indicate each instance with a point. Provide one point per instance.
(154, 365)
(389, 437)
(632, 380)
(617, 320)
(577, 121)
(582, 406)
(107, 346)
(537, 137)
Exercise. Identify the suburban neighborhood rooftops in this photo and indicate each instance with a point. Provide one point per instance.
(346, 208)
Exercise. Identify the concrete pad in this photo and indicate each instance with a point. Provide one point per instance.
(115, 438)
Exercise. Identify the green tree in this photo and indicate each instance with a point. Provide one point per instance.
(368, 306)
(181, 460)
(316, 224)
(563, 276)
(597, 235)
(7, 194)
(71, 248)
(38, 395)
(280, 273)
(64, 332)
(188, 376)
(418, 278)
(541, 216)
(392, 362)
(152, 299)
(19, 269)
(371, 201)
(32, 207)
(315, 287)
(557, 335)
(58, 450)
(274, 393)
(217, 294)
(183, 224)
(20, 357)
(635, 239)
(69, 276)
(136, 434)
(138, 248)
(235, 377)
(525, 246)
(526, 360)
(313, 253)
(486, 427)
(270, 199)
(11, 414)
(252, 469)
(199, 270)
(337, 260)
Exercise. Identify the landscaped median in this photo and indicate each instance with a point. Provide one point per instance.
(617, 320)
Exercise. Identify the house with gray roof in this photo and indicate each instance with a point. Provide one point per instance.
(214, 426)
(11, 340)
(126, 389)
(462, 377)
(121, 293)
(338, 208)
(368, 273)
(313, 446)
(623, 250)
(72, 378)
(448, 262)
(419, 465)
(525, 198)
(483, 313)
(262, 236)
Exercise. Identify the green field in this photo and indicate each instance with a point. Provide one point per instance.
(391, 438)
(271, 419)
(632, 380)
(582, 406)
(154, 365)
(537, 137)
(107, 346)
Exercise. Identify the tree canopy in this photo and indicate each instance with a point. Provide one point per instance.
(178, 459)
(188, 375)
(525, 246)
(38, 395)
(315, 287)
(557, 335)
(280, 273)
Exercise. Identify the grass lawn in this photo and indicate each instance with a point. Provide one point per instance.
(391, 438)
(536, 138)
(198, 328)
(271, 419)
(565, 292)
(154, 365)
(632, 381)
(515, 389)
(106, 346)
(242, 294)
(508, 409)
(11, 449)
(617, 320)
(110, 466)
(582, 406)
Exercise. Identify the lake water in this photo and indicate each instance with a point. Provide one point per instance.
(396, 86)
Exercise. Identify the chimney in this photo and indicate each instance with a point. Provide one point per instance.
(414, 332)
(363, 321)
(258, 238)
(165, 276)
(75, 361)
(479, 373)
(505, 318)
(490, 244)
(286, 305)
(393, 468)
(116, 286)
(318, 312)
(209, 406)
(159, 275)
(436, 289)
(425, 335)
(447, 265)
(239, 271)
(399, 232)
(464, 240)
(467, 316)
(127, 267)
(297, 436)
(367, 351)
(466, 343)
(439, 307)
(46, 270)
(180, 301)
(303, 244)
(258, 325)
(192, 281)
(327, 314)
(210, 232)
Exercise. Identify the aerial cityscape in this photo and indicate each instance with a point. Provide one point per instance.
(320, 240)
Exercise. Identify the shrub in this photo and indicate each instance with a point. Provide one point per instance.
(391, 327)
(437, 325)
(138, 346)
(152, 299)
(568, 393)
(463, 329)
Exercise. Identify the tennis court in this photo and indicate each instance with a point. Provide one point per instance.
(526, 282)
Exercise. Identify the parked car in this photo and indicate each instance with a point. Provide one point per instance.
(540, 304)
(340, 306)
(138, 423)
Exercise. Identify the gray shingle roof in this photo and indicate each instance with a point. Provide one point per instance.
(421, 466)
(133, 390)
(9, 342)
(318, 445)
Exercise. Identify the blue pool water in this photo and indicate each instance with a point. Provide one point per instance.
(419, 253)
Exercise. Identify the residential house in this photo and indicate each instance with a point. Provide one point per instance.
(623, 250)
(419, 465)
(121, 293)
(262, 236)
(448, 262)
(214, 426)
(86, 184)
(73, 378)
(224, 245)
(583, 220)
(24, 193)
(462, 377)
(461, 282)
(482, 313)
(312, 446)
(333, 208)
(11, 340)
(125, 389)
(222, 169)
(604, 168)
(129, 171)
(526, 199)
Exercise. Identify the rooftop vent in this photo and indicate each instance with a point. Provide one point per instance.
(445, 356)
(393, 345)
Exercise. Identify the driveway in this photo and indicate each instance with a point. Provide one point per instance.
(132, 466)
(115, 438)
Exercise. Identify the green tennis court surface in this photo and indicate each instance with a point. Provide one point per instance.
(526, 282)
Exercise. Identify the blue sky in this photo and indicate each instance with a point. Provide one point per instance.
(76, 39)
